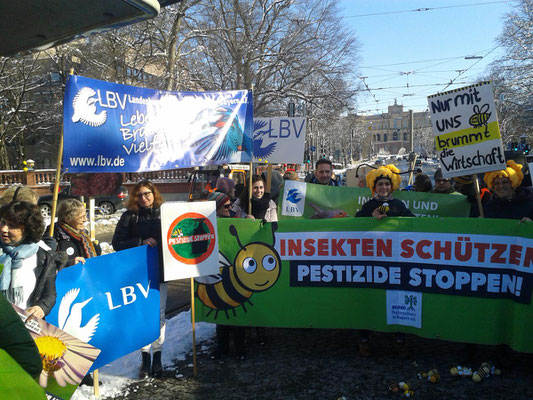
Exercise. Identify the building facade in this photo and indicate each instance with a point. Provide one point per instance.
(390, 132)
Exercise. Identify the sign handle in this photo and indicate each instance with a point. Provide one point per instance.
(269, 179)
(250, 187)
(478, 197)
(195, 370)
(96, 384)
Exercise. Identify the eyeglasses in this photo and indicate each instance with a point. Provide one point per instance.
(227, 206)
(144, 194)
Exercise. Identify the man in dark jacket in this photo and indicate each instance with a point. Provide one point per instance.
(323, 173)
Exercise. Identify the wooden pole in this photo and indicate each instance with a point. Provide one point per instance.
(250, 187)
(411, 167)
(96, 384)
(56, 184)
(268, 187)
(478, 197)
(195, 370)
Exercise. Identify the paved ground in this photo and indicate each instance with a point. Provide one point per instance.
(324, 364)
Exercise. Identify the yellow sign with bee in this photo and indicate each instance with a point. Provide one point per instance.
(467, 134)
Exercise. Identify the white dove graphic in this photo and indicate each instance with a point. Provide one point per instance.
(70, 315)
(85, 108)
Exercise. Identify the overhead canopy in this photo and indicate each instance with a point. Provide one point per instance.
(34, 24)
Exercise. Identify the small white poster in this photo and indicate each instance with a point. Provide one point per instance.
(293, 204)
(279, 139)
(190, 239)
(404, 308)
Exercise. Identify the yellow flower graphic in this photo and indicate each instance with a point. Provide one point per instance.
(65, 358)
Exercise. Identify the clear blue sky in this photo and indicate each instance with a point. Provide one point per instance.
(441, 38)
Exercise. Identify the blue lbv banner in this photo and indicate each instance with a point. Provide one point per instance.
(110, 127)
(111, 302)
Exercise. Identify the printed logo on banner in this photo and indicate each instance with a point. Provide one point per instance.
(70, 316)
(404, 308)
(260, 130)
(85, 108)
(191, 238)
(294, 198)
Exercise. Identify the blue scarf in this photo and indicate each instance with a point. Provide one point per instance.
(11, 257)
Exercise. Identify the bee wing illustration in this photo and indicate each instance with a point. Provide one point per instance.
(212, 279)
(64, 307)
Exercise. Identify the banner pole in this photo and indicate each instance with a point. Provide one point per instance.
(411, 167)
(478, 197)
(250, 187)
(269, 179)
(56, 184)
(195, 370)
(96, 384)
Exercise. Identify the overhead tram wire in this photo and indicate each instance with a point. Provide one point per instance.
(426, 9)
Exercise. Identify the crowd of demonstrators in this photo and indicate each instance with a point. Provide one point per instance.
(323, 173)
(141, 225)
(225, 333)
(262, 205)
(509, 199)
(382, 182)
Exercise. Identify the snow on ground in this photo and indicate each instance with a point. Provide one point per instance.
(124, 371)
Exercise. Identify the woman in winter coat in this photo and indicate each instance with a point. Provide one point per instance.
(263, 207)
(141, 225)
(70, 233)
(383, 181)
(29, 271)
(508, 200)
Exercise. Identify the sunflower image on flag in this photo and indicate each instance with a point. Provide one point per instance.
(66, 359)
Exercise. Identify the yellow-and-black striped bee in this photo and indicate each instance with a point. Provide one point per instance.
(480, 117)
(256, 268)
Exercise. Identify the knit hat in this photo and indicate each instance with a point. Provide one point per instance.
(464, 180)
(220, 198)
(513, 172)
(225, 185)
(388, 171)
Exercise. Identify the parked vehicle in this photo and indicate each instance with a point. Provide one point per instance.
(106, 204)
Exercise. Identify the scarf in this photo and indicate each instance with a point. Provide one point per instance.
(382, 198)
(259, 206)
(11, 258)
(83, 238)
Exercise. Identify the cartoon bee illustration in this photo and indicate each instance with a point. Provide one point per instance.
(480, 117)
(256, 268)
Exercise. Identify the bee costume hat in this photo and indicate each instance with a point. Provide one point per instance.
(389, 172)
(513, 172)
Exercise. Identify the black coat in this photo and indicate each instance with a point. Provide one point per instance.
(521, 205)
(44, 294)
(136, 226)
(396, 208)
(70, 246)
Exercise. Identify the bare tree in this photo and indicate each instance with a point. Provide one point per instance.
(512, 74)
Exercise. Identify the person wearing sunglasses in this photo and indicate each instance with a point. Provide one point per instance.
(141, 225)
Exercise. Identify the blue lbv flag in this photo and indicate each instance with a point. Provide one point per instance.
(111, 302)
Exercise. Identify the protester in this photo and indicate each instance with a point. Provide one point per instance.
(224, 332)
(509, 199)
(18, 193)
(443, 185)
(290, 176)
(323, 173)
(226, 185)
(29, 272)
(70, 233)
(383, 181)
(465, 186)
(263, 207)
(422, 183)
(141, 225)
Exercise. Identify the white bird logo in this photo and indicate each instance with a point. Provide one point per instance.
(70, 315)
(85, 108)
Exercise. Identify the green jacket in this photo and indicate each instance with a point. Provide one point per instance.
(16, 340)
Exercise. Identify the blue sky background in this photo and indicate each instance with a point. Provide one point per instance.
(426, 48)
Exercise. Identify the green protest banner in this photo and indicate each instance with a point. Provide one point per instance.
(467, 280)
(311, 201)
